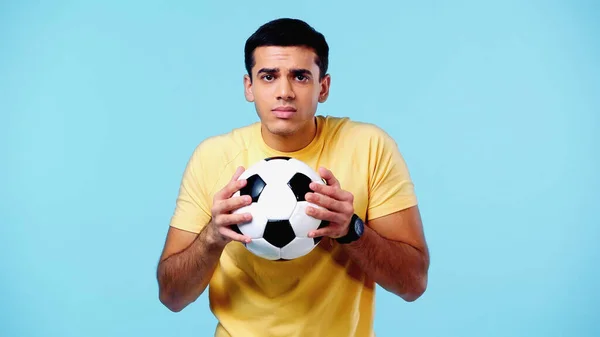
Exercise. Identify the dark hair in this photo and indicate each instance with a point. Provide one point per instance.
(288, 32)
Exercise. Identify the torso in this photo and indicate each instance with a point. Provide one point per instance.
(320, 294)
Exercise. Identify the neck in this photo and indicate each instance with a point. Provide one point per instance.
(291, 142)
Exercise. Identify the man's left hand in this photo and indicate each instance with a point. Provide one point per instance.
(338, 206)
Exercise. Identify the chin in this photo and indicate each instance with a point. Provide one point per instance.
(282, 128)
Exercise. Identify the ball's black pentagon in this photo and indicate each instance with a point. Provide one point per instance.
(278, 157)
(323, 224)
(279, 233)
(254, 187)
(299, 184)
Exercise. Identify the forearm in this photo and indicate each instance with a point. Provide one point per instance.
(396, 266)
(184, 276)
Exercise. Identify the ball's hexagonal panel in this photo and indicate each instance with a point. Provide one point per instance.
(263, 249)
(277, 201)
(300, 185)
(276, 171)
(256, 168)
(297, 248)
(279, 233)
(254, 187)
(301, 222)
(254, 228)
(299, 166)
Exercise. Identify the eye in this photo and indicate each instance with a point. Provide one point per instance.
(267, 77)
(301, 78)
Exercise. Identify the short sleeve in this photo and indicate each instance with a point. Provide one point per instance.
(193, 204)
(390, 186)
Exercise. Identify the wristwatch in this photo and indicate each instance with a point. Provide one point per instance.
(355, 230)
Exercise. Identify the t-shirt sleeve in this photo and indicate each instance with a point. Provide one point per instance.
(193, 204)
(390, 186)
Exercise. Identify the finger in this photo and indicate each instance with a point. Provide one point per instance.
(325, 201)
(330, 179)
(233, 235)
(229, 189)
(331, 191)
(224, 220)
(324, 214)
(330, 231)
(232, 204)
(238, 173)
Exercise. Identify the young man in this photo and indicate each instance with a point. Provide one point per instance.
(375, 235)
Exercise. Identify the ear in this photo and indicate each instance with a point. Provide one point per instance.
(324, 93)
(248, 89)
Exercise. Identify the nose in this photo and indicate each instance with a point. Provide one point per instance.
(285, 90)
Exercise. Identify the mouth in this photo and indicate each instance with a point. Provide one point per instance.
(284, 112)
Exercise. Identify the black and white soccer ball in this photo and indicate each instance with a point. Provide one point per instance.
(279, 227)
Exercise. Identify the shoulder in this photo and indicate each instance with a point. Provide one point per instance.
(226, 145)
(213, 154)
(358, 133)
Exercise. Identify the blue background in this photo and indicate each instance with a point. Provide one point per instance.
(495, 106)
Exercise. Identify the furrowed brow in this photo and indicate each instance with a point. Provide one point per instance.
(304, 72)
(268, 71)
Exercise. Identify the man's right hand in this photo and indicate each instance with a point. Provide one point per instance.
(219, 230)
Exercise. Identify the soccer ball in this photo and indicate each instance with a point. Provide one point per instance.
(279, 227)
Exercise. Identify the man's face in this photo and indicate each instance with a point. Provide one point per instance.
(286, 89)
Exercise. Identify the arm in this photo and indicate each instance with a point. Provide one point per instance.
(186, 266)
(189, 260)
(392, 251)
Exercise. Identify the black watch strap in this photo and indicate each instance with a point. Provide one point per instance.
(355, 230)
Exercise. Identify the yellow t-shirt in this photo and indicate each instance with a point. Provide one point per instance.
(323, 293)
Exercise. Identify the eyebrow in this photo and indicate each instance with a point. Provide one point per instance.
(293, 71)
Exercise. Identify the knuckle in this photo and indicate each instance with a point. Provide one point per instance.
(244, 200)
(349, 209)
(217, 206)
(326, 201)
(239, 183)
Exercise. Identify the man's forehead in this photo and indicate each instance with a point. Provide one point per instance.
(277, 56)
